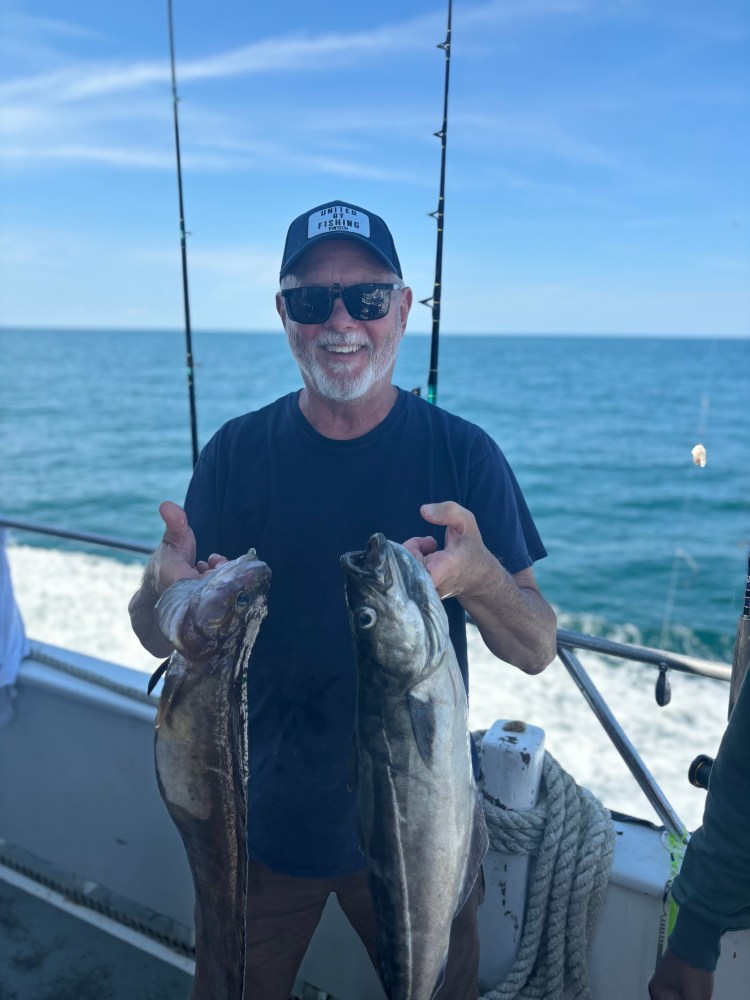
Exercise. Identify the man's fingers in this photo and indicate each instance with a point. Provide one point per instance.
(449, 514)
(421, 546)
(206, 565)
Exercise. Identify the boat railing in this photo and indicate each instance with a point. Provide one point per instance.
(643, 654)
(106, 541)
(568, 642)
(617, 735)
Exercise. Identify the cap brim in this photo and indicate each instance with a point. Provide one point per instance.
(327, 237)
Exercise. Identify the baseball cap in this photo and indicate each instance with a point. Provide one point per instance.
(338, 220)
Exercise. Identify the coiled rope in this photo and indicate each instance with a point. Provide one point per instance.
(571, 836)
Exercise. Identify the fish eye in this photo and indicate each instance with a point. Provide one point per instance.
(242, 601)
(365, 617)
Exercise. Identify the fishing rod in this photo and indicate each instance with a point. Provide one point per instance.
(438, 215)
(183, 246)
(741, 660)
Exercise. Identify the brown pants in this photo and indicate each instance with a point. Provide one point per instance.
(283, 912)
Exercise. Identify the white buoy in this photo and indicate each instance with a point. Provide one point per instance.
(512, 760)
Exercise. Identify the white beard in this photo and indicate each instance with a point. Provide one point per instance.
(334, 380)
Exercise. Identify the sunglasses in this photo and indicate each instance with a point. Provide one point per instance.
(313, 304)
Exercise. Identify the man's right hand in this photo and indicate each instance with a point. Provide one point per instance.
(173, 560)
(175, 557)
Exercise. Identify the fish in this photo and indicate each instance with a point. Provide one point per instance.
(421, 824)
(201, 753)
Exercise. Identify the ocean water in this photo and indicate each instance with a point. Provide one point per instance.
(643, 544)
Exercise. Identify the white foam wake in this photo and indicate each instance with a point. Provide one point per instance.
(667, 739)
(79, 601)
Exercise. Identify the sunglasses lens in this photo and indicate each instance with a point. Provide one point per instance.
(309, 305)
(367, 301)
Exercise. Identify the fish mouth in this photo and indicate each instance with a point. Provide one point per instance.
(383, 564)
(244, 573)
(373, 565)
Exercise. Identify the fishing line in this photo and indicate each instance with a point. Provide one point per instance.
(438, 215)
(183, 247)
(681, 555)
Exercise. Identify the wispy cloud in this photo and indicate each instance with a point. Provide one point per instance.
(239, 259)
(83, 153)
(532, 133)
(68, 114)
(293, 53)
(32, 26)
(512, 12)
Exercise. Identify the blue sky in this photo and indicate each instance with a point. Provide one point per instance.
(598, 158)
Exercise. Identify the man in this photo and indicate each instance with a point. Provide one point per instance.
(304, 480)
(713, 887)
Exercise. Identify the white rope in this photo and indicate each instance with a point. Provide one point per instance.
(571, 836)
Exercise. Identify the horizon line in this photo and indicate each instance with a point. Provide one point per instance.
(603, 334)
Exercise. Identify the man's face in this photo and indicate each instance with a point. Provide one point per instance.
(345, 358)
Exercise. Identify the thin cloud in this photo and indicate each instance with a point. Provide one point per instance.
(286, 54)
(511, 12)
(241, 259)
(31, 25)
(64, 115)
(281, 160)
(492, 128)
(82, 153)
(291, 53)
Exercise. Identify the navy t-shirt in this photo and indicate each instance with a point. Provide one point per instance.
(270, 481)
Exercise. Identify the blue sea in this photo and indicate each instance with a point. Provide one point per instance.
(94, 433)
(644, 545)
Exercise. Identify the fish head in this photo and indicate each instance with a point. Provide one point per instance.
(200, 616)
(397, 619)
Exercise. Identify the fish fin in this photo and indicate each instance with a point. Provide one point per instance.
(480, 841)
(423, 723)
(173, 685)
(157, 675)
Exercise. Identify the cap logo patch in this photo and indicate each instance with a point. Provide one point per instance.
(338, 219)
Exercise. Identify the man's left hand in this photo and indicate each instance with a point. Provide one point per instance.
(674, 979)
(514, 620)
(462, 566)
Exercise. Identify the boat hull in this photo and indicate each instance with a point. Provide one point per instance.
(80, 808)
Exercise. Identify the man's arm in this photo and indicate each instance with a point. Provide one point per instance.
(173, 560)
(713, 886)
(514, 620)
